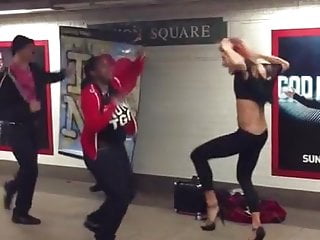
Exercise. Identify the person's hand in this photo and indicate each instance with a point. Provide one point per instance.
(237, 41)
(290, 93)
(141, 53)
(34, 106)
(226, 44)
(242, 48)
(118, 99)
(70, 70)
(261, 71)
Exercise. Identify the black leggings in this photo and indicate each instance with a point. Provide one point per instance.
(247, 145)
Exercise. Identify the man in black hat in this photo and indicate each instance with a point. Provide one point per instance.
(21, 86)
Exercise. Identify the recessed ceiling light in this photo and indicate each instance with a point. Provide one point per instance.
(24, 11)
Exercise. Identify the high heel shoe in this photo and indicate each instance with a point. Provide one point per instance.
(260, 233)
(211, 225)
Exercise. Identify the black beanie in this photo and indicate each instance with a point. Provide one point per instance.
(19, 43)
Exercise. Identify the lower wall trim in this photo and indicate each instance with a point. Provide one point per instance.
(50, 171)
(164, 185)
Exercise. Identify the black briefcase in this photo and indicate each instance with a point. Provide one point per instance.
(189, 198)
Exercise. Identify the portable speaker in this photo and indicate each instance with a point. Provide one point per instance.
(189, 198)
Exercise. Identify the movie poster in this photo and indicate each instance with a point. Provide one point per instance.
(45, 127)
(77, 46)
(296, 121)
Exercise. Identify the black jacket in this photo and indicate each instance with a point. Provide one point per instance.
(13, 107)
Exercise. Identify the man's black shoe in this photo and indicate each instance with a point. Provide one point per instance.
(95, 188)
(25, 220)
(92, 226)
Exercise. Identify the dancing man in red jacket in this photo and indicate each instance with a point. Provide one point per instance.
(107, 121)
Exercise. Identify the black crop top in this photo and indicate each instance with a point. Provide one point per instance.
(259, 89)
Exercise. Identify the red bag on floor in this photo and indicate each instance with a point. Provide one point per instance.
(235, 209)
(272, 212)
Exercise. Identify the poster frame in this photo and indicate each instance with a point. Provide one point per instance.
(45, 45)
(276, 170)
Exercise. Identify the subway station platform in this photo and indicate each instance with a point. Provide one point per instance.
(63, 205)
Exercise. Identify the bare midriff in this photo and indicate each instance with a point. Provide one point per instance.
(251, 117)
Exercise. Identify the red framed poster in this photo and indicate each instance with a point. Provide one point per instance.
(296, 124)
(45, 126)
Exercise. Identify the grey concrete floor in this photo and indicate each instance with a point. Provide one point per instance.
(63, 205)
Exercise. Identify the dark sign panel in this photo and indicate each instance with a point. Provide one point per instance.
(106, 35)
(173, 32)
(296, 123)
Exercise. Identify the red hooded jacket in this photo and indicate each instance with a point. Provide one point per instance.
(109, 121)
